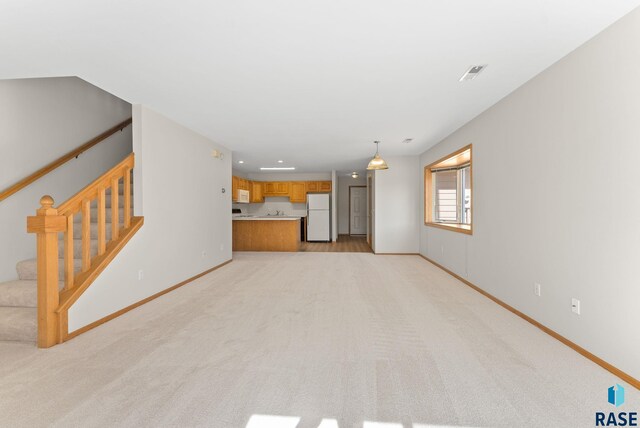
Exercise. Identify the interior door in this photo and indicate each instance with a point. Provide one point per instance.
(357, 210)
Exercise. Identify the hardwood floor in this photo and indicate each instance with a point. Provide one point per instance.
(344, 244)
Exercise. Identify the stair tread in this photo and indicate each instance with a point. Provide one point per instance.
(18, 324)
(19, 293)
(28, 269)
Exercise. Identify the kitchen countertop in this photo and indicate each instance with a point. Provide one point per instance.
(268, 218)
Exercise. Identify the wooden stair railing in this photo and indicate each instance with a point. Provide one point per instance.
(62, 160)
(49, 222)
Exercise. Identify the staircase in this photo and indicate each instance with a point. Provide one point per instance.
(18, 298)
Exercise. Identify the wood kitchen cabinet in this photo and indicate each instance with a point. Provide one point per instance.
(318, 186)
(269, 188)
(298, 191)
(282, 188)
(276, 188)
(234, 188)
(266, 235)
(255, 192)
(239, 183)
(324, 186)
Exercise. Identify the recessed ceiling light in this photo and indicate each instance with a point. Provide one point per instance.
(280, 161)
(473, 72)
(354, 174)
(240, 161)
(407, 140)
(277, 168)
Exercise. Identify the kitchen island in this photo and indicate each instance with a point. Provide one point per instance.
(266, 233)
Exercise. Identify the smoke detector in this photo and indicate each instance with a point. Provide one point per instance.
(473, 72)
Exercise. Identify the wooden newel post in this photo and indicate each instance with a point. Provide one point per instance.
(47, 224)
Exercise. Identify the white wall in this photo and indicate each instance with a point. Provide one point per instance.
(41, 120)
(343, 200)
(566, 217)
(187, 226)
(397, 193)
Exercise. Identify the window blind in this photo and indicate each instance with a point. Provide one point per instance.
(446, 195)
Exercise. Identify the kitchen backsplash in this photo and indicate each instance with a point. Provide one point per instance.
(271, 205)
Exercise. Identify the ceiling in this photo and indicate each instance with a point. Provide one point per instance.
(313, 83)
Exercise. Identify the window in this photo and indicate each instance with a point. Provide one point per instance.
(447, 185)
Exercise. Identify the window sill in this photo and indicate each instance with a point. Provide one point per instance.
(460, 228)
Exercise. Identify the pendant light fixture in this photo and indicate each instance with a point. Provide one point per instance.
(377, 162)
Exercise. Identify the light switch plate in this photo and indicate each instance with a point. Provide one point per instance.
(575, 306)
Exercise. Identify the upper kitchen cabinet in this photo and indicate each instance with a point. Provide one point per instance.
(276, 188)
(234, 188)
(238, 183)
(256, 191)
(298, 191)
(243, 184)
(324, 186)
(318, 186)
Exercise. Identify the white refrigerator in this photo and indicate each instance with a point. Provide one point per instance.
(318, 217)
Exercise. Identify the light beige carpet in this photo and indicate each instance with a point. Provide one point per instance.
(338, 339)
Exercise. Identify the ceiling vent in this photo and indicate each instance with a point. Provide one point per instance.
(472, 72)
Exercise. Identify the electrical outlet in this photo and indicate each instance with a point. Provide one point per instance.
(140, 275)
(575, 306)
(536, 289)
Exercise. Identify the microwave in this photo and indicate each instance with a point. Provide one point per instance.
(243, 196)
